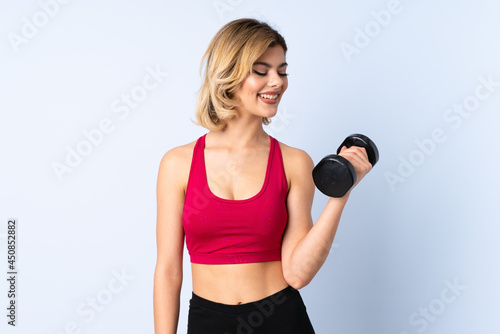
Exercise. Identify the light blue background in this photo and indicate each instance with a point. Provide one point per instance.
(396, 246)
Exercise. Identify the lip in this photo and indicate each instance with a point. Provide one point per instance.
(267, 101)
(271, 93)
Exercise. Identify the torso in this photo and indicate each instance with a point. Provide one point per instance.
(237, 283)
(235, 176)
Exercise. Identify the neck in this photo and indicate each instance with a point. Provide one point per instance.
(242, 132)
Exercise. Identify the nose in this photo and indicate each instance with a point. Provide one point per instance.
(275, 80)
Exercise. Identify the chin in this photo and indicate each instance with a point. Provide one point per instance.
(270, 112)
(269, 115)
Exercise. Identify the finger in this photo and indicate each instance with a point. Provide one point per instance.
(358, 152)
(358, 159)
(359, 162)
(361, 153)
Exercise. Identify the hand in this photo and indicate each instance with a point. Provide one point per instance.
(358, 157)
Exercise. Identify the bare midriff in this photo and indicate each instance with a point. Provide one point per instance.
(236, 284)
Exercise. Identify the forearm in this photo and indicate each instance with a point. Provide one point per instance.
(166, 302)
(312, 251)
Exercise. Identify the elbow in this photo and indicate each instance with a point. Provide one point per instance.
(168, 275)
(300, 284)
(296, 281)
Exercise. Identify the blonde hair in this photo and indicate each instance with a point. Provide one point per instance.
(228, 61)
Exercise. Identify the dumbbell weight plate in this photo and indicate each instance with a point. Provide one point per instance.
(334, 175)
(362, 141)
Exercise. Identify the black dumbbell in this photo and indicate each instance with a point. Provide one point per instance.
(334, 175)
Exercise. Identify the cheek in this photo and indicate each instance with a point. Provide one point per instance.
(285, 84)
(253, 86)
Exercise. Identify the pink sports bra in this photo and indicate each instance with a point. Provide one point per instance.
(222, 231)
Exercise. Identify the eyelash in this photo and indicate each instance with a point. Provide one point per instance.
(263, 74)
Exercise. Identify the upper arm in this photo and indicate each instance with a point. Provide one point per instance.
(170, 203)
(298, 167)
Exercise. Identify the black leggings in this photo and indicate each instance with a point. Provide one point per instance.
(279, 313)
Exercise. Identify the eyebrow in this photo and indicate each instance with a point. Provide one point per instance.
(268, 65)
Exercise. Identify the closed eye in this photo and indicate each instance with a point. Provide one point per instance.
(264, 74)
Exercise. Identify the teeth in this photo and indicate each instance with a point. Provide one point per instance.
(271, 97)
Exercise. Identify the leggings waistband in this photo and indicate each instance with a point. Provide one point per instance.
(276, 298)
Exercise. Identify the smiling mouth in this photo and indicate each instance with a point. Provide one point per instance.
(269, 96)
(264, 98)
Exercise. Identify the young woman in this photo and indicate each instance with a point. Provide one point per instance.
(241, 199)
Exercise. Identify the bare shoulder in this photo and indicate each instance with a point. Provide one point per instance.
(297, 162)
(177, 162)
(295, 156)
(179, 154)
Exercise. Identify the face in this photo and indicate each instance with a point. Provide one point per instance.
(261, 91)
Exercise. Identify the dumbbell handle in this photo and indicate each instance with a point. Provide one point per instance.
(362, 141)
